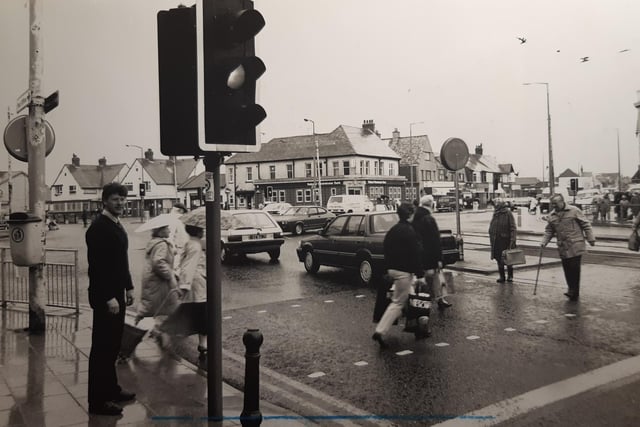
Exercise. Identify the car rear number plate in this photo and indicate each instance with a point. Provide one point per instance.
(256, 236)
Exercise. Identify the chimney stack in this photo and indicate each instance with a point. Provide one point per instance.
(148, 154)
(395, 135)
(370, 126)
(102, 162)
(479, 150)
(75, 160)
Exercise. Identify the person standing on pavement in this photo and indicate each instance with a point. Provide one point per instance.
(429, 236)
(110, 291)
(605, 208)
(403, 260)
(634, 204)
(178, 236)
(571, 228)
(502, 235)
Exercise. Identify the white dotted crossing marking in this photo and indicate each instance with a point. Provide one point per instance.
(360, 296)
(227, 318)
(442, 344)
(473, 337)
(469, 281)
(569, 315)
(317, 374)
(262, 311)
(404, 352)
(329, 301)
(542, 322)
(509, 329)
(361, 363)
(596, 309)
(295, 305)
(622, 304)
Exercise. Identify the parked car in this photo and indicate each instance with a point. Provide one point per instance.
(276, 208)
(249, 232)
(298, 219)
(355, 241)
(446, 204)
(347, 203)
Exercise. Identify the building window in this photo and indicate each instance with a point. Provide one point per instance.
(129, 186)
(321, 168)
(427, 155)
(290, 171)
(336, 168)
(474, 177)
(361, 167)
(72, 189)
(307, 196)
(366, 167)
(461, 176)
(333, 191)
(345, 167)
(316, 195)
(299, 196)
(231, 200)
(375, 167)
(375, 192)
(230, 174)
(249, 174)
(395, 193)
(381, 172)
(392, 169)
(307, 170)
(242, 202)
(272, 172)
(428, 175)
(281, 196)
(57, 189)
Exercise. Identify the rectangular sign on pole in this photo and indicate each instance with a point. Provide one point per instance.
(23, 100)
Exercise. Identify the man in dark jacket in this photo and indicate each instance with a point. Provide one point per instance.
(427, 229)
(110, 289)
(402, 258)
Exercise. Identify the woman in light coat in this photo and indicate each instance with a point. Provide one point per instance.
(502, 235)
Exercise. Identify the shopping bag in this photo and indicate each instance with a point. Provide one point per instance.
(446, 277)
(418, 306)
(131, 337)
(513, 257)
(634, 241)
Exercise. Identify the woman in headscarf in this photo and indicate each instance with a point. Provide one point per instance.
(502, 235)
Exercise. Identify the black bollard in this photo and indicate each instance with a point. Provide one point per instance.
(251, 415)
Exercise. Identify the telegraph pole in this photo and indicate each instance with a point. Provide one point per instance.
(36, 147)
(9, 177)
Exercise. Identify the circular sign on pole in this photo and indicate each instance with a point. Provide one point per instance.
(15, 138)
(454, 154)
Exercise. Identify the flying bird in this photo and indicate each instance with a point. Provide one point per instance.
(624, 50)
(584, 59)
(522, 40)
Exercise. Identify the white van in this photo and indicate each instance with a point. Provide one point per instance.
(346, 203)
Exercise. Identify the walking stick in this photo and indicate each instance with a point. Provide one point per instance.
(538, 272)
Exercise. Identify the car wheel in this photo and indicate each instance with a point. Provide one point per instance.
(298, 229)
(311, 263)
(274, 254)
(365, 271)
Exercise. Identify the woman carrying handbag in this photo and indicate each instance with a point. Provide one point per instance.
(502, 235)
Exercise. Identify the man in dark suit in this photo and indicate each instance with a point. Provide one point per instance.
(110, 290)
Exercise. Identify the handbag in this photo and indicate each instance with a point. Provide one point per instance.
(513, 257)
(634, 241)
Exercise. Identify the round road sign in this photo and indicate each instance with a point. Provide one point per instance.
(15, 138)
(454, 154)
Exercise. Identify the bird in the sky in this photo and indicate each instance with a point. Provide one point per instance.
(584, 59)
(624, 50)
(522, 40)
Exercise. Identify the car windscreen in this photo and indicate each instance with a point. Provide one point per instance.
(383, 223)
(335, 199)
(243, 220)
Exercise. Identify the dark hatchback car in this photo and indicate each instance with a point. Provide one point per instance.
(355, 241)
(298, 219)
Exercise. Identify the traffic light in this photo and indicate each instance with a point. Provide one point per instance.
(178, 81)
(143, 190)
(574, 184)
(227, 109)
(269, 192)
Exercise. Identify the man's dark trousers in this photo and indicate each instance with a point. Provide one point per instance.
(571, 267)
(106, 337)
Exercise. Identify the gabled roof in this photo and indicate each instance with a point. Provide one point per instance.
(161, 170)
(94, 176)
(403, 146)
(480, 163)
(506, 168)
(342, 141)
(568, 173)
(198, 181)
(4, 175)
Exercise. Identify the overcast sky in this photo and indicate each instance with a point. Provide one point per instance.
(455, 65)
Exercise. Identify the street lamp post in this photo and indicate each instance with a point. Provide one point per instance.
(412, 159)
(142, 175)
(318, 169)
(551, 174)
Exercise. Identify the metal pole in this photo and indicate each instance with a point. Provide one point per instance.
(212, 163)
(9, 178)
(411, 157)
(36, 165)
(319, 168)
(619, 176)
(251, 415)
(552, 179)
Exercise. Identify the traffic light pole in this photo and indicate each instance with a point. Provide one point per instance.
(212, 162)
(36, 145)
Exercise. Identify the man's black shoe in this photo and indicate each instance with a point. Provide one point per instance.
(443, 303)
(106, 408)
(571, 296)
(124, 396)
(378, 337)
(510, 279)
(500, 280)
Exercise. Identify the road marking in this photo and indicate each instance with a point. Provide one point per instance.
(317, 374)
(262, 311)
(295, 305)
(227, 317)
(329, 301)
(569, 315)
(622, 304)
(552, 393)
(361, 363)
(509, 329)
(360, 296)
(542, 322)
(473, 337)
(404, 352)
(442, 344)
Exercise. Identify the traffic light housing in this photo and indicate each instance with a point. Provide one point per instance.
(574, 184)
(143, 190)
(269, 192)
(178, 81)
(227, 73)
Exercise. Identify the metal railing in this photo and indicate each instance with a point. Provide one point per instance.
(60, 274)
